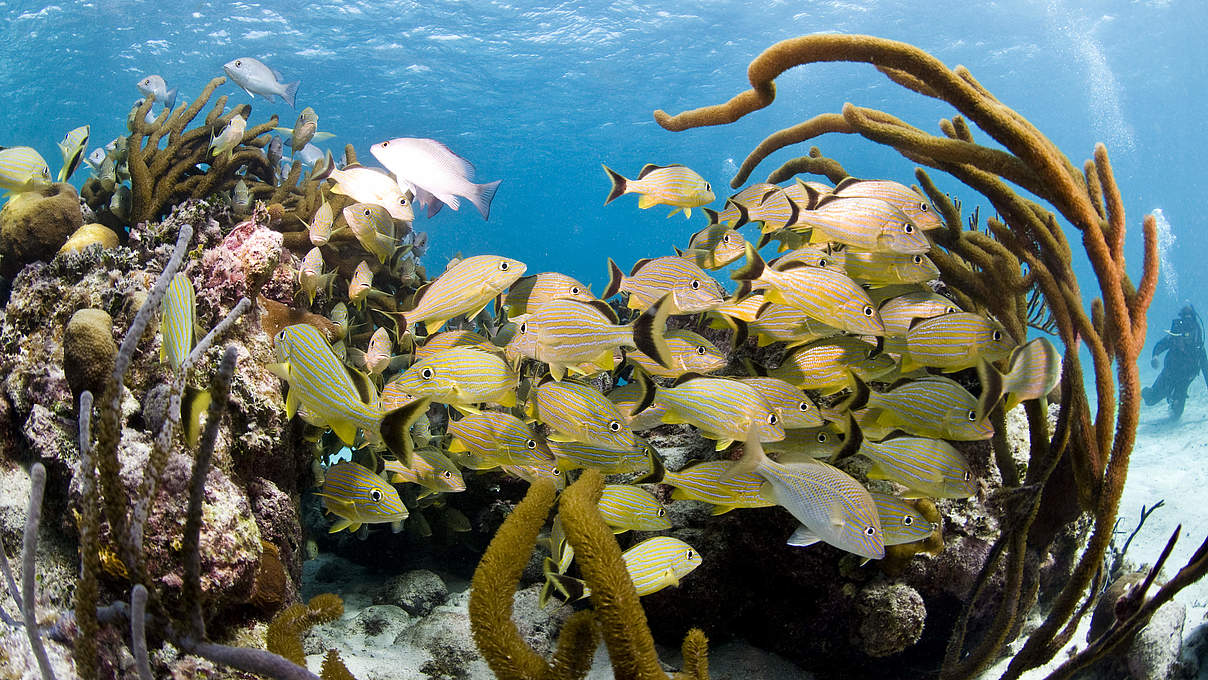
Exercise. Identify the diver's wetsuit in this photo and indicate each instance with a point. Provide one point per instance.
(1185, 357)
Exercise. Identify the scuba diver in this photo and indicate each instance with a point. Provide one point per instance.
(1185, 357)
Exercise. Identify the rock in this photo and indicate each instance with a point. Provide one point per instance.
(889, 617)
(418, 592)
(380, 624)
(538, 626)
(446, 636)
(88, 351)
(35, 224)
(1154, 653)
(250, 259)
(88, 235)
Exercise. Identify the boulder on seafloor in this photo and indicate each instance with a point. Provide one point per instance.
(90, 234)
(35, 224)
(417, 592)
(891, 617)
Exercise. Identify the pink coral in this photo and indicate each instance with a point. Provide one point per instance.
(250, 260)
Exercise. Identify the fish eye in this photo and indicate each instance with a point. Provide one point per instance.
(375, 495)
(996, 336)
(907, 520)
(923, 206)
(530, 444)
(822, 437)
(426, 374)
(662, 512)
(524, 328)
(402, 200)
(691, 554)
(503, 266)
(803, 406)
(917, 259)
(574, 290)
(368, 212)
(446, 474)
(870, 531)
(772, 419)
(823, 262)
(908, 228)
(972, 415)
(967, 475)
(238, 63)
(700, 350)
(869, 311)
(725, 239)
(950, 310)
(614, 426)
(707, 187)
(695, 284)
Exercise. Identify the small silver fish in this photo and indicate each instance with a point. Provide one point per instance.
(256, 78)
(155, 86)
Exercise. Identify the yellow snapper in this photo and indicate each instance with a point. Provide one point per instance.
(1035, 371)
(494, 438)
(714, 247)
(864, 223)
(565, 333)
(357, 496)
(711, 482)
(773, 209)
(531, 473)
(886, 268)
(430, 469)
(320, 383)
(177, 319)
(461, 338)
(465, 288)
(673, 185)
(319, 227)
(909, 201)
(373, 185)
(578, 412)
(625, 507)
(229, 138)
(795, 408)
(461, 377)
(834, 507)
(812, 443)
(899, 311)
(927, 467)
(691, 289)
(529, 293)
(22, 169)
(73, 146)
(790, 325)
(310, 275)
(901, 522)
(951, 342)
(688, 352)
(827, 364)
(720, 408)
(934, 406)
(373, 227)
(828, 296)
(360, 284)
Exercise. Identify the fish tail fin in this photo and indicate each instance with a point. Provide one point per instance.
(648, 330)
(618, 184)
(615, 278)
(329, 164)
(712, 215)
(753, 269)
(483, 193)
(658, 471)
(567, 588)
(859, 395)
(291, 91)
(744, 215)
(170, 99)
(646, 394)
(991, 388)
(396, 430)
(192, 404)
(853, 442)
(752, 456)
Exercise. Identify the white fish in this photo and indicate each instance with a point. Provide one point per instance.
(256, 78)
(429, 165)
(309, 155)
(373, 185)
(155, 86)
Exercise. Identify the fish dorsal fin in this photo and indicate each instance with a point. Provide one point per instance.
(825, 201)
(639, 264)
(846, 183)
(651, 167)
(812, 197)
(685, 378)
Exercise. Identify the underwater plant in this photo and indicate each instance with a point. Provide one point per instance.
(1020, 269)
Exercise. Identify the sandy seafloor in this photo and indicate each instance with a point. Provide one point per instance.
(1169, 463)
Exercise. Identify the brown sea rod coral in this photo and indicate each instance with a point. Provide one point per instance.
(1021, 271)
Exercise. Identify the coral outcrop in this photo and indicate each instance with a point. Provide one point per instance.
(34, 224)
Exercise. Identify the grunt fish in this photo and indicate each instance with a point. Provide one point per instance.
(177, 319)
(356, 495)
(73, 146)
(690, 288)
(673, 185)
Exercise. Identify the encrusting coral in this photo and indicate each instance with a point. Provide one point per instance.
(616, 610)
(1021, 271)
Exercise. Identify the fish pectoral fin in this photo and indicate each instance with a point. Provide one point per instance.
(341, 524)
(467, 409)
(803, 537)
(506, 399)
(558, 371)
(722, 509)
(280, 370)
(559, 437)
(876, 472)
(672, 418)
(604, 361)
(457, 446)
(723, 444)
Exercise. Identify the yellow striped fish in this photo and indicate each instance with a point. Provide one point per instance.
(447, 339)
(714, 247)
(745, 308)
(834, 507)
(731, 212)
(356, 496)
(792, 326)
(864, 223)
(530, 293)
(795, 408)
(828, 296)
(609, 460)
(885, 268)
(320, 383)
(909, 201)
(1035, 369)
(711, 482)
(672, 185)
(721, 409)
(373, 227)
(464, 288)
(566, 333)
(933, 406)
(688, 352)
(773, 209)
(827, 365)
(461, 377)
(310, 275)
(578, 412)
(22, 169)
(393, 396)
(691, 289)
(825, 442)
(360, 284)
(951, 342)
(531, 473)
(493, 438)
(177, 319)
(430, 469)
(625, 507)
(807, 194)
(927, 467)
(814, 255)
(898, 312)
(73, 147)
(658, 562)
(319, 228)
(900, 520)
(628, 396)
